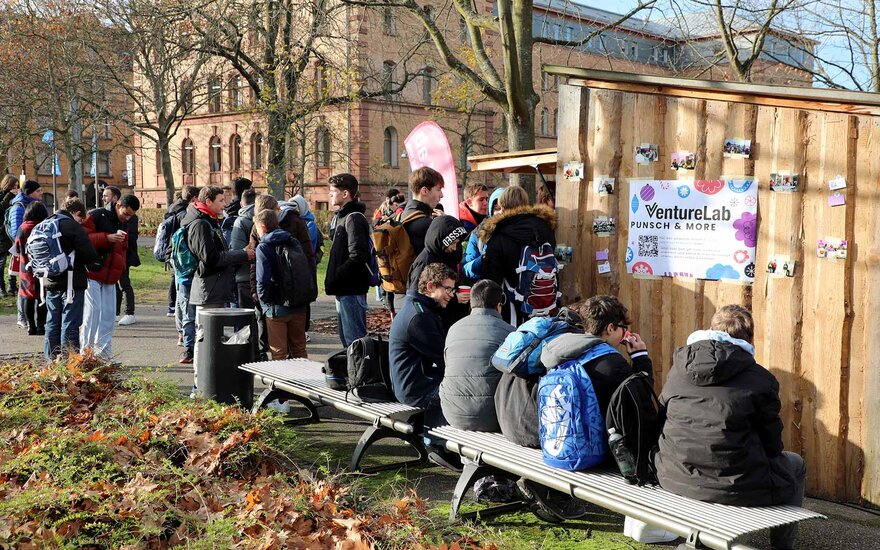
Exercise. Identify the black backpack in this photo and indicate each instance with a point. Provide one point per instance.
(297, 287)
(336, 371)
(369, 370)
(635, 412)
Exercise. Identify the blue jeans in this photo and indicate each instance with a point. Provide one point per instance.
(63, 321)
(187, 315)
(351, 314)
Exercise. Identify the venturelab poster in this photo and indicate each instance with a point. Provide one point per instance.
(705, 229)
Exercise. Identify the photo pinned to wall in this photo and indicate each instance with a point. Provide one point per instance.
(603, 185)
(573, 171)
(563, 253)
(830, 247)
(646, 153)
(737, 148)
(837, 183)
(604, 268)
(781, 266)
(784, 182)
(837, 199)
(603, 226)
(683, 160)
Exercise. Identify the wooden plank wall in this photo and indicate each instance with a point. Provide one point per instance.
(819, 331)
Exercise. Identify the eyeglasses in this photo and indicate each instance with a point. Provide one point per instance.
(624, 327)
(448, 289)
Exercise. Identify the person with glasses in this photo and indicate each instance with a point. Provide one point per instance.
(416, 340)
(443, 244)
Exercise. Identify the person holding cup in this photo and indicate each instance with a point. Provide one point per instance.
(443, 244)
(105, 228)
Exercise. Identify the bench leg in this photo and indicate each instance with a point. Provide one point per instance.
(270, 394)
(469, 475)
(375, 433)
(692, 542)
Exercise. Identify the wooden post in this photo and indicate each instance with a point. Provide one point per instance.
(574, 109)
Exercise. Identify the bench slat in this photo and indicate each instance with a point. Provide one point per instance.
(727, 522)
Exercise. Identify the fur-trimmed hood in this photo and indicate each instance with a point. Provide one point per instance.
(514, 215)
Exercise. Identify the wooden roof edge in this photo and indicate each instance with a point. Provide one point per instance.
(652, 82)
(513, 154)
(515, 161)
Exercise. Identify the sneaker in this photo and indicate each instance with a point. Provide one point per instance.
(549, 505)
(308, 337)
(278, 406)
(170, 312)
(446, 459)
(127, 320)
(186, 358)
(22, 324)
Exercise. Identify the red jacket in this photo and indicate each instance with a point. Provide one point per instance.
(99, 224)
(28, 285)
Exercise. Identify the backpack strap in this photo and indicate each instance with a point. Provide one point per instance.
(414, 216)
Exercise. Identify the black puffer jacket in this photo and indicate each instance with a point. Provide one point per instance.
(505, 236)
(214, 280)
(348, 271)
(5, 241)
(722, 441)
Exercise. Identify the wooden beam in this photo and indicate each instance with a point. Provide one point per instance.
(815, 99)
(520, 162)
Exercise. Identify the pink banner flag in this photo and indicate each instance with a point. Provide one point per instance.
(427, 146)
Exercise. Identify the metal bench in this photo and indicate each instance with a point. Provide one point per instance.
(302, 381)
(713, 525)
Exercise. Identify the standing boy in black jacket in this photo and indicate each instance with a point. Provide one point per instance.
(348, 272)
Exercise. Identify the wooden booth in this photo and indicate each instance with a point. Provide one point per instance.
(817, 330)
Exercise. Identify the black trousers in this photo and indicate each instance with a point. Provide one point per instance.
(123, 287)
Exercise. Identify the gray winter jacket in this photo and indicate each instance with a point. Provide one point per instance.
(213, 281)
(241, 234)
(467, 392)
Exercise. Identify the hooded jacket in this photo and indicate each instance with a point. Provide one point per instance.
(415, 351)
(302, 206)
(722, 441)
(269, 274)
(132, 257)
(5, 240)
(15, 214)
(472, 264)
(178, 209)
(241, 233)
(213, 280)
(443, 231)
(507, 233)
(111, 262)
(469, 219)
(348, 272)
(289, 221)
(467, 392)
(73, 239)
(417, 229)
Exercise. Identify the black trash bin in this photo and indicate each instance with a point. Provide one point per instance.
(219, 377)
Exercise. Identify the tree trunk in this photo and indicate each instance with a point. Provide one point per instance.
(276, 167)
(162, 145)
(521, 137)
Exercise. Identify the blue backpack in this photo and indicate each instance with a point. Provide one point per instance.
(571, 425)
(520, 353)
(537, 288)
(162, 246)
(184, 261)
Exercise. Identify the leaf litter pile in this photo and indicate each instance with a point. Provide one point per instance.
(378, 322)
(91, 460)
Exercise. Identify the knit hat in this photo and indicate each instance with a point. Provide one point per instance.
(29, 187)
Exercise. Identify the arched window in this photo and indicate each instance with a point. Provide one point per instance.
(257, 151)
(389, 77)
(428, 85)
(188, 156)
(545, 122)
(322, 147)
(390, 156)
(215, 154)
(235, 152)
(389, 21)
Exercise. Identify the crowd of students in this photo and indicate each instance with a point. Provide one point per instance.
(77, 308)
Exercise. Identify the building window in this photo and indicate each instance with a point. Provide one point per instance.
(634, 51)
(257, 151)
(236, 92)
(108, 128)
(188, 156)
(569, 33)
(389, 77)
(321, 85)
(428, 86)
(44, 161)
(322, 147)
(214, 94)
(215, 154)
(389, 21)
(557, 28)
(390, 156)
(545, 122)
(235, 153)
